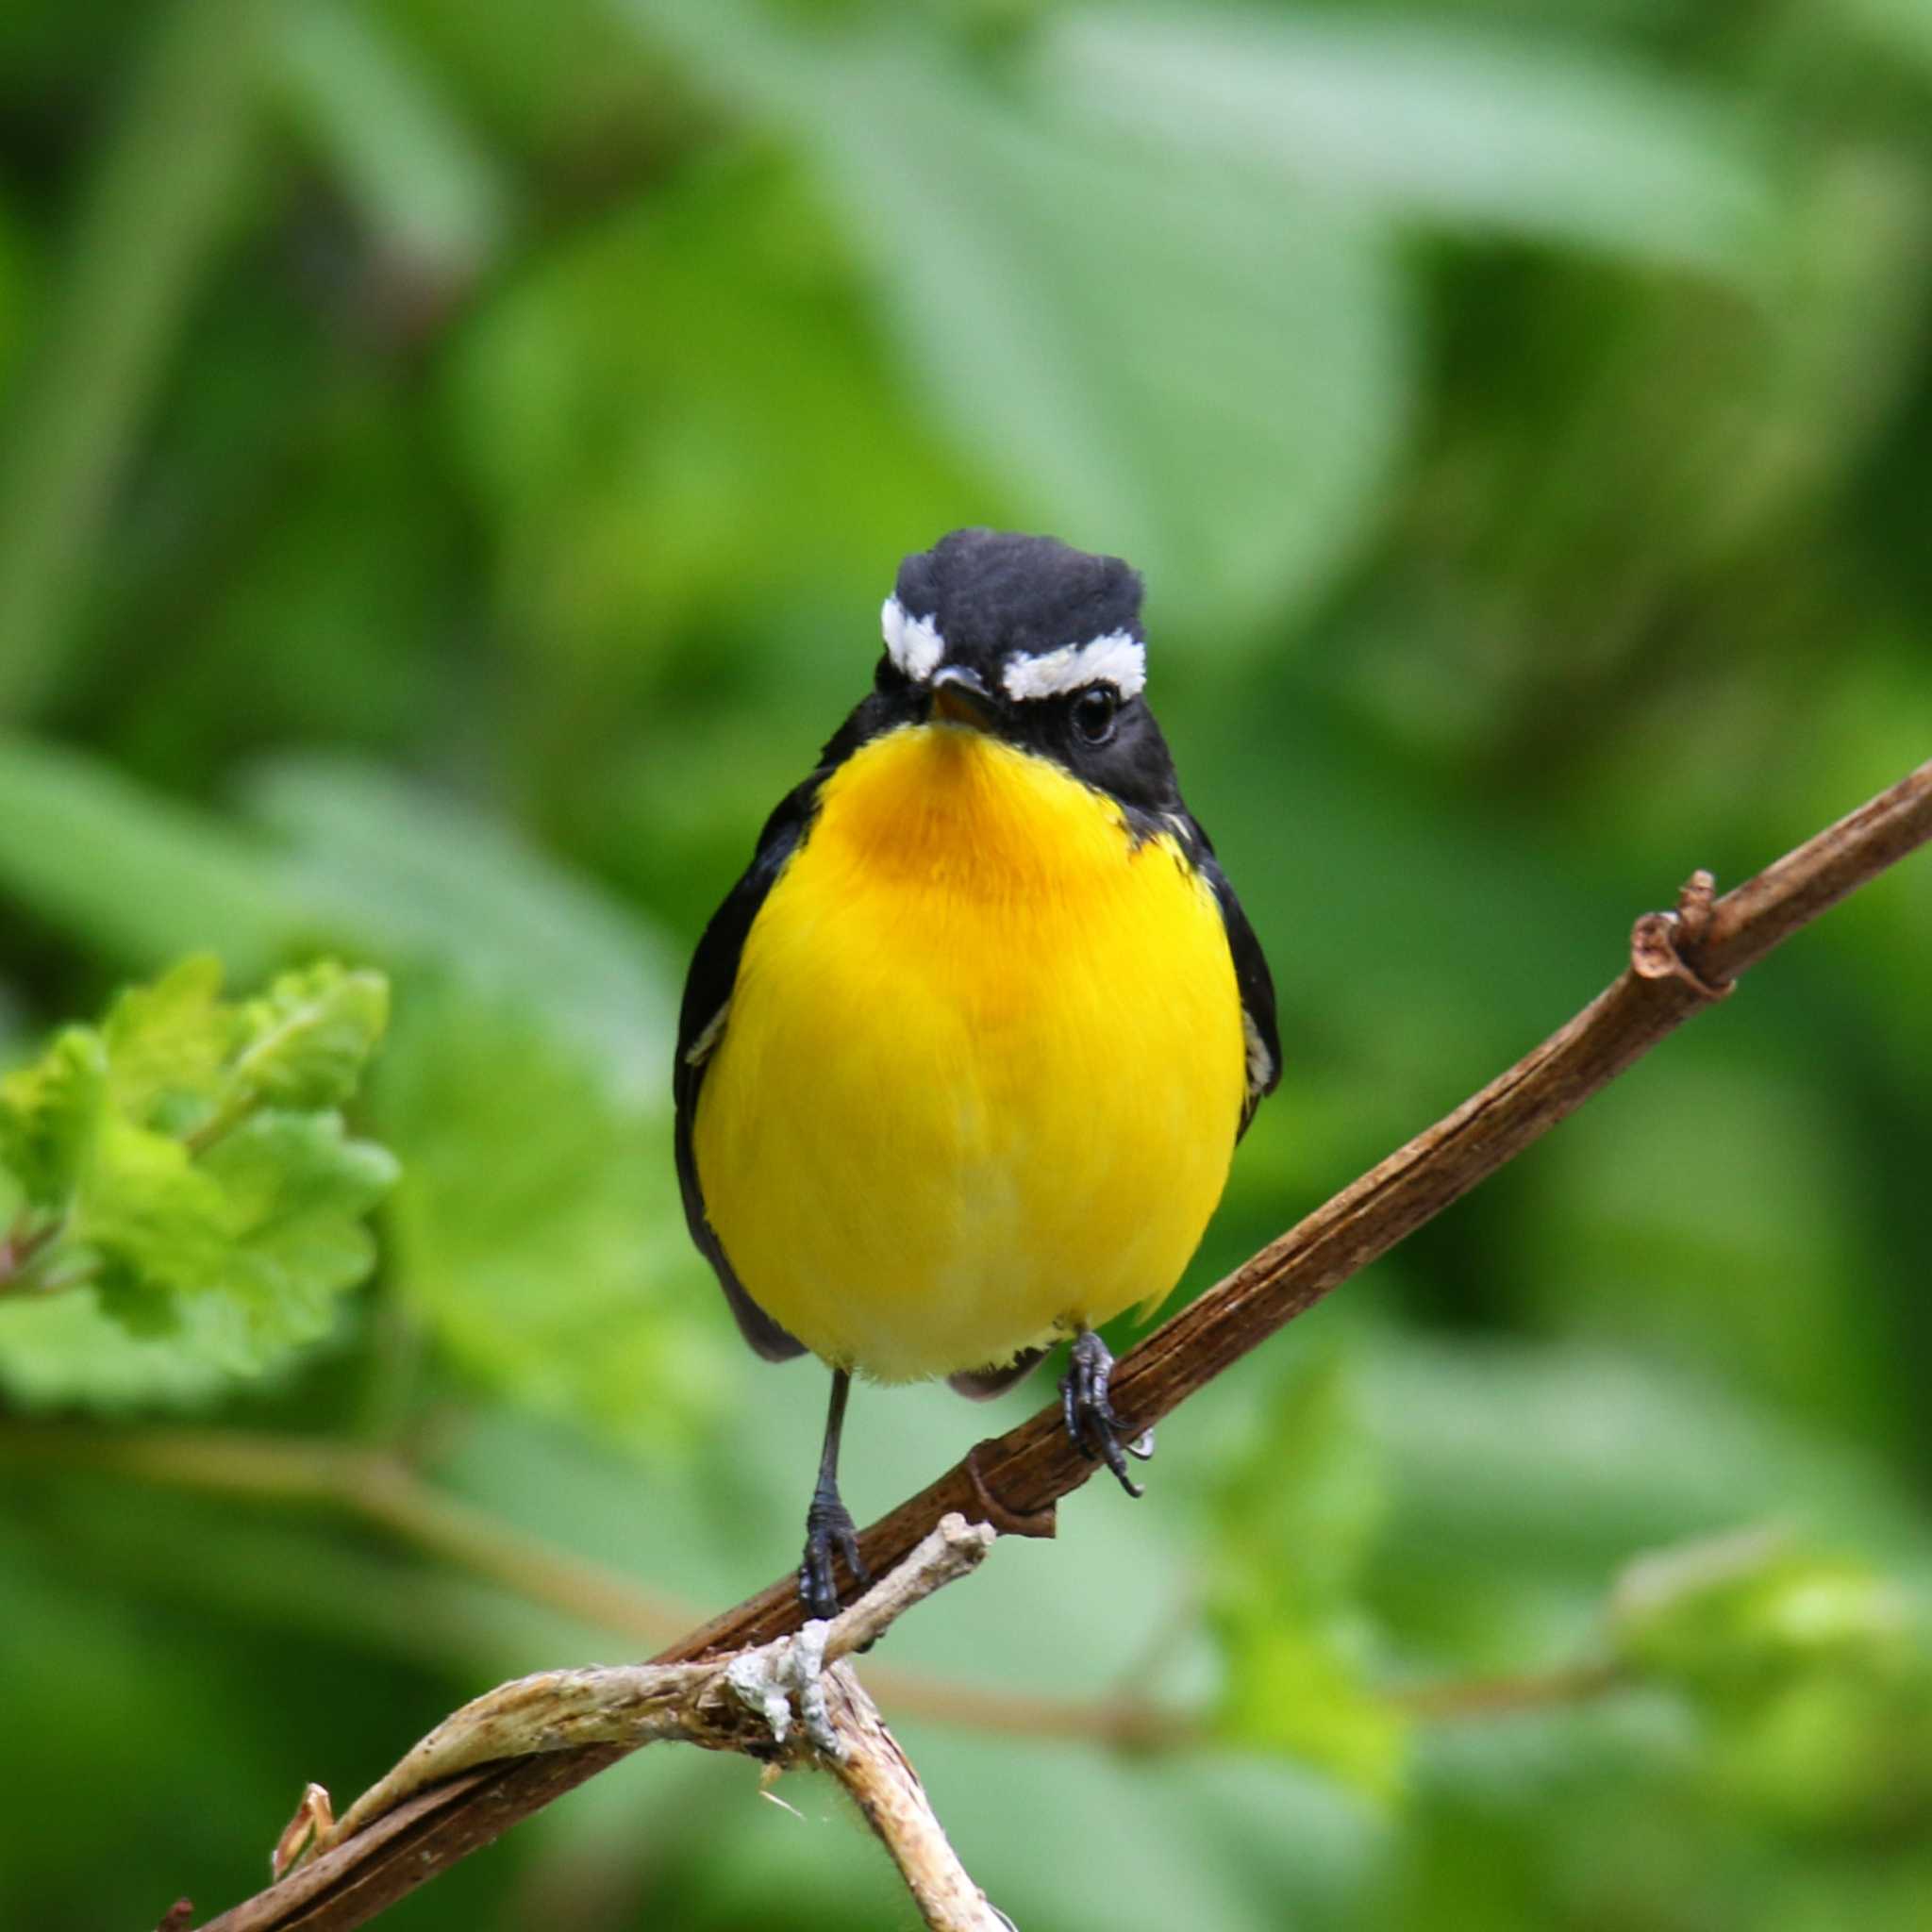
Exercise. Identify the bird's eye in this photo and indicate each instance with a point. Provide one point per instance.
(1093, 712)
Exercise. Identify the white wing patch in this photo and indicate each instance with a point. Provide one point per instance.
(913, 643)
(1260, 1062)
(702, 1047)
(1115, 659)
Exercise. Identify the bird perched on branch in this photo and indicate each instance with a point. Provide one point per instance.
(964, 1054)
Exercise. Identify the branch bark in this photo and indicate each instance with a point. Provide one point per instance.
(792, 1702)
(1680, 962)
(887, 1790)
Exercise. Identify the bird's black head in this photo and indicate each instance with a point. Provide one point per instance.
(1036, 642)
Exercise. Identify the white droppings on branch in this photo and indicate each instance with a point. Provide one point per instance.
(785, 1679)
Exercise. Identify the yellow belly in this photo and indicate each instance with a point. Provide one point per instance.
(983, 1066)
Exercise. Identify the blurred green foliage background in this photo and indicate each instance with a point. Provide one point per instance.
(450, 458)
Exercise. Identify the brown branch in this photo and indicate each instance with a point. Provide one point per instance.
(890, 1797)
(22, 1247)
(792, 1702)
(1680, 962)
(1462, 1698)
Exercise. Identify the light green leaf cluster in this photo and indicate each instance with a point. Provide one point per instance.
(182, 1168)
(537, 1245)
(1811, 1670)
(308, 1036)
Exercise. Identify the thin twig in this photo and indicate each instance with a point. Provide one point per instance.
(791, 1700)
(891, 1800)
(22, 1247)
(386, 1492)
(379, 1487)
(632, 1703)
(1486, 1697)
(1680, 962)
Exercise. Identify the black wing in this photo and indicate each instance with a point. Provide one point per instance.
(1251, 975)
(1257, 996)
(701, 1022)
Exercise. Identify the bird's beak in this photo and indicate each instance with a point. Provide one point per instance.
(959, 697)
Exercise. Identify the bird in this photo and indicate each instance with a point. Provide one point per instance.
(963, 1056)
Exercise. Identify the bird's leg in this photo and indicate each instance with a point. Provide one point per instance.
(829, 1532)
(1091, 1423)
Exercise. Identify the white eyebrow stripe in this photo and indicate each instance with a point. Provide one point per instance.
(913, 643)
(1116, 658)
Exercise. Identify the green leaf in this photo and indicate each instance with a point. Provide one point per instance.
(144, 1218)
(418, 877)
(143, 876)
(536, 1232)
(308, 1036)
(1501, 131)
(1208, 374)
(295, 1189)
(1728, 1616)
(369, 862)
(1295, 1519)
(609, 400)
(1556, 1461)
(1301, 1507)
(1811, 1670)
(1708, 1222)
(397, 143)
(1900, 27)
(1297, 1689)
(17, 278)
(185, 1163)
(168, 1043)
(49, 1115)
(60, 1350)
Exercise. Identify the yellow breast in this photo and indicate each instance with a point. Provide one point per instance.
(983, 1066)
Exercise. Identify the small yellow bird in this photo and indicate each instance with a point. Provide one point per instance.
(964, 1054)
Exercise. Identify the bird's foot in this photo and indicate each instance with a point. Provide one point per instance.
(829, 1533)
(1094, 1428)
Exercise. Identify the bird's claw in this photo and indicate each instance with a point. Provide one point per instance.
(1092, 1426)
(829, 1533)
